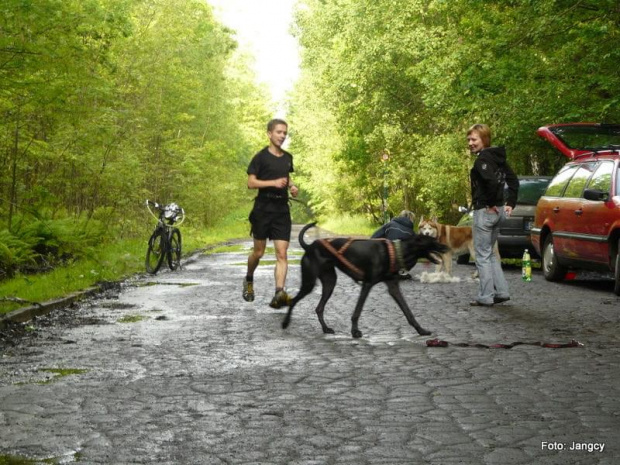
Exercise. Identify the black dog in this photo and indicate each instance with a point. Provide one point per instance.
(365, 260)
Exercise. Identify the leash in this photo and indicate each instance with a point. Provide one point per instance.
(547, 345)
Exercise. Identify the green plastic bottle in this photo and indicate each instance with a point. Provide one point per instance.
(526, 267)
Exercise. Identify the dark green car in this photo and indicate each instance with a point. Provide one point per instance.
(514, 232)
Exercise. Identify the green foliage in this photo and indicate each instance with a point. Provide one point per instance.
(15, 253)
(409, 77)
(105, 104)
(42, 243)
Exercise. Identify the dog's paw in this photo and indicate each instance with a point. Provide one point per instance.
(328, 330)
(356, 333)
(424, 332)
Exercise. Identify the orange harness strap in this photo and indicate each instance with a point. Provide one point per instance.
(339, 254)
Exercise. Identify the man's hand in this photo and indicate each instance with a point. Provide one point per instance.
(508, 210)
(294, 190)
(280, 183)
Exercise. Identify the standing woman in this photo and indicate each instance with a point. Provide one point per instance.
(488, 177)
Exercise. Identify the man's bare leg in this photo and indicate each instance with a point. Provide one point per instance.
(253, 260)
(257, 253)
(280, 298)
(281, 248)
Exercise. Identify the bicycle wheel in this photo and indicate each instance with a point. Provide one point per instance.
(174, 253)
(156, 251)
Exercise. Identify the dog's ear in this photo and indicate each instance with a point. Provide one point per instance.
(434, 220)
(421, 219)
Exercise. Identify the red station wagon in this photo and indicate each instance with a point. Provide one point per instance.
(577, 222)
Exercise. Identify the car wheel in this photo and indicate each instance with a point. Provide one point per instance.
(552, 269)
(463, 259)
(617, 272)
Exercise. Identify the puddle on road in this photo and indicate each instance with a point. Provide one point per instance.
(164, 283)
(116, 305)
(268, 262)
(243, 248)
(69, 457)
(228, 249)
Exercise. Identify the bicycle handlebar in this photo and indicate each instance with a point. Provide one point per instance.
(162, 208)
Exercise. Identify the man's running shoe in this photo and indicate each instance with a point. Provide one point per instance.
(248, 291)
(281, 299)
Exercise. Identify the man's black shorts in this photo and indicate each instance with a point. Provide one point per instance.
(270, 225)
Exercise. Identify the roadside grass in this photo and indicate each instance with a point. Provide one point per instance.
(349, 224)
(131, 318)
(19, 460)
(110, 262)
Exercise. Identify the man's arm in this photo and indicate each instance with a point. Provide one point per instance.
(513, 189)
(513, 186)
(255, 183)
(293, 188)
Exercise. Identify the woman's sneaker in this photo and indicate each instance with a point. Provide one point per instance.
(248, 291)
(281, 299)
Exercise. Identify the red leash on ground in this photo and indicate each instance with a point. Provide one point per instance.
(548, 345)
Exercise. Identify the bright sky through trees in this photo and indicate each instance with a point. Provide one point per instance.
(263, 29)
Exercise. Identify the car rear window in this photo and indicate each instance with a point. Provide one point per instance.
(557, 184)
(589, 137)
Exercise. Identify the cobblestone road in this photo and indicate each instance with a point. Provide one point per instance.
(205, 378)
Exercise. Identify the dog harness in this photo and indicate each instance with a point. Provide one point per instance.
(394, 250)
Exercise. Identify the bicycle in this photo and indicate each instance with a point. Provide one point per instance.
(166, 238)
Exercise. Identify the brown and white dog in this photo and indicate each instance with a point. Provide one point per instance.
(458, 238)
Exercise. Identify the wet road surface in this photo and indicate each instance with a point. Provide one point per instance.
(178, 369)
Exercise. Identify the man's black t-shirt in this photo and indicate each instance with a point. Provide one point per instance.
(267, 166)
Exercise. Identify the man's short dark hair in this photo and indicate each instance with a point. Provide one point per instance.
(274, 122)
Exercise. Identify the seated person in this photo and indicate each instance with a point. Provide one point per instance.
(400, 227)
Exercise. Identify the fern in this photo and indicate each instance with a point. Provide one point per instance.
(44, 243)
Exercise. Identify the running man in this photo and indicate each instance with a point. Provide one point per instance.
(269, 172)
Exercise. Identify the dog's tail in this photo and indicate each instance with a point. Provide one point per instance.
(304, 244)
